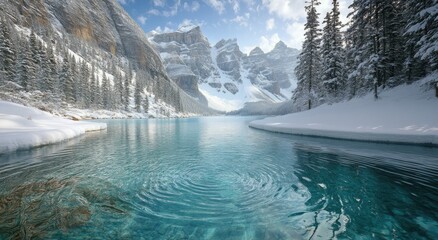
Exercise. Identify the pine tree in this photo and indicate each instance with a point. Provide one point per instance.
(118, 87)
(422, 33)
(67, 80)
(93, 86)
(84, 85)
(105, 93)
(333, 54)
(146, 104)
(137, 94)
(52, 85)
(309, 65)
(361, 35)
(376, 44)
(26, 69)
(326, 49)
(8, 54)
(126, 91)
(44, 70)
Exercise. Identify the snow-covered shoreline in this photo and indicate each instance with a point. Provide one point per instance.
(24, 127)
(406, 114)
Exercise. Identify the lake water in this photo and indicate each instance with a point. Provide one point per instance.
(215, 178)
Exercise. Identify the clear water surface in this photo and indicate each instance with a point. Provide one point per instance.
(216, 178)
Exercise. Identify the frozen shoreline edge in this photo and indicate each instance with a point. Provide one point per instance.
(23, 128)
(386, 138)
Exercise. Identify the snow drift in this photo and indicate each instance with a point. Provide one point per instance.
(405, 114)
(25, 127)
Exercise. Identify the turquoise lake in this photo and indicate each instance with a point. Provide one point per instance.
(216, 178)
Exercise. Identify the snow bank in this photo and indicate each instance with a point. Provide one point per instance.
(405, 114)
(24, 127)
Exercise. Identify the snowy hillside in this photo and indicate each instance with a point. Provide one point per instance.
(221, 75)
(404, 114)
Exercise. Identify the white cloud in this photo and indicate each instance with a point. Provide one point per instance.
(286, 9)
(293, 14)
(154, 12)
(188, 24)
(169, 12)
(162, 30)
(173, 9)
(270, 24)
(242, 20)
(216, 4)
(295, 31)
(159, 3)
(235, 5)
(142, 19)
(193, 7)
(294, 9)
(268, 43)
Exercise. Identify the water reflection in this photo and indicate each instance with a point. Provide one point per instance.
(215, 178)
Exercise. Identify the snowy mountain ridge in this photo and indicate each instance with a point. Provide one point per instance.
(87, 56)
(221, 75)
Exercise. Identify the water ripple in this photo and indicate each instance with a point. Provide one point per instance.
(190, 179)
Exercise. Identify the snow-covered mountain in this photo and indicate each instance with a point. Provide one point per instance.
(101, 34)
(221, 75)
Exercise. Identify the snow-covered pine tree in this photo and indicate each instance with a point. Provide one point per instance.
(333, 54)
(118, 87)
(137, 93)
(126, 91)
(105, 92)
(67, 81)
(93, 86)
(146, 104)
(422, 33)
(75, 77)
(84, 85)
(52, 84)
(8, 54)
(98, 96)
(326, 49)
(1, 40)
(44, 70)
(362, 36)
(308, 70)
(26, 69)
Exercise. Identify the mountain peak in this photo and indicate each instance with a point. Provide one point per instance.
(228, 42)
(256, 51)
(280, 45)
(189, 28)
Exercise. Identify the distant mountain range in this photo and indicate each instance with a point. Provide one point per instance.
(223, 77)
(178, 72)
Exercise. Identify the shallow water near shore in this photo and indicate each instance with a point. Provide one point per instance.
(216, 178)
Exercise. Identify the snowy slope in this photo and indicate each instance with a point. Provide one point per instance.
(405, 114)
(24, 127)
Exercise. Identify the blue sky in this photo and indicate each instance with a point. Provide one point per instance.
(252, 22)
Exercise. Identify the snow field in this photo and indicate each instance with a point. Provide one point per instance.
(405, 114)
(25, 127)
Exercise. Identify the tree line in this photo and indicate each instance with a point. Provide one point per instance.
(386, 43)
(71, 73)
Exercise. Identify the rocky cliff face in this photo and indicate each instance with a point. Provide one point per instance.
(101, 24)
(223, 76)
